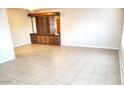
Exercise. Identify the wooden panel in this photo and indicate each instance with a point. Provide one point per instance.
(52, 25)
(51, 40)
(43, 14)
(58, 24)
(39, 40)
(54, 40)
(47, 24)
(43, 39)
(39, 25)
(33, 39)
(47, 39)
(43, 25)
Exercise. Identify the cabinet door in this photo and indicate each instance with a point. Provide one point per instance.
(43, 39)
(47, 39)
(39, 41)
(43, 24)
(33, 39)
(54, 40)
(39, 25)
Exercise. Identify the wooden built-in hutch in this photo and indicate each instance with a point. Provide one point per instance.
(47, 28)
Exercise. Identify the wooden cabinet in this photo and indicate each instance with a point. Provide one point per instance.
(47, 28)
(45, 39)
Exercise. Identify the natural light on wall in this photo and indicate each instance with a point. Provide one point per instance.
(31, 9)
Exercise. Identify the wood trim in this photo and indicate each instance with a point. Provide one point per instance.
(44, 34)
(58, 24)
(43, 14)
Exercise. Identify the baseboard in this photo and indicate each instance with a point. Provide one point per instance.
(88, 46)
(5, 61)
(21, 45)
(121, 68)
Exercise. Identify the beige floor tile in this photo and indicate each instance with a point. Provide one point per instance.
(37, 72)
(78, 81)
(71, 72)
(13, 74)
(112, 82)
(85, 76)
(28, 78)
(95, 83)
(9, 81)
(66, 79)
(46, 82)
(97, 78)
(60, 83)
(53, 76)
(45, 64)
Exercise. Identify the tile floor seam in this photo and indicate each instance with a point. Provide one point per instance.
(106, 71)
(66, 59)
(25, 73)
(78, 72)
(92, 72)
(63, 73)
(15, 79)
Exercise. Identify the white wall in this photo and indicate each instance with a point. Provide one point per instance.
(20, 25)
(121, 57)
(121, 53)
(90, 27)
(6, 46)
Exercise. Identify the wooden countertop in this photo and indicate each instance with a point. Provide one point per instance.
(45, 34)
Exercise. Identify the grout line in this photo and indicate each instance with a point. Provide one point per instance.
(67, 69)
(92, 72)
(121, 68)
(106, 70)
(15, 79)
(72, 51)
(78, 72)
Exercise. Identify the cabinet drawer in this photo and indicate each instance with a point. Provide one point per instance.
(54, 40)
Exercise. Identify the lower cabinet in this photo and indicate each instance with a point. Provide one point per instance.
(45, 39)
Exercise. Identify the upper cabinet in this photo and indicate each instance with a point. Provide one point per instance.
(47, 23)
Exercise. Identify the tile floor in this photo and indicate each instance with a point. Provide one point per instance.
(61, 65)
